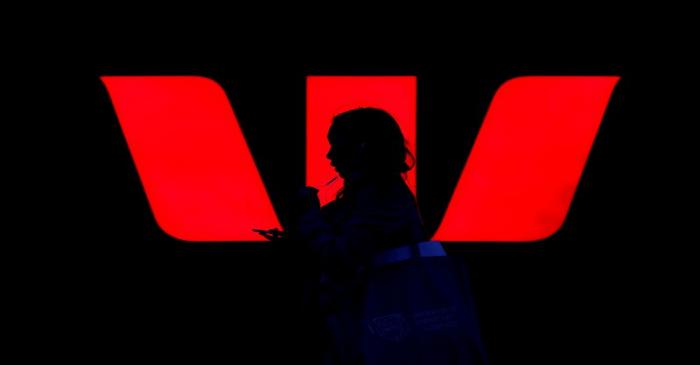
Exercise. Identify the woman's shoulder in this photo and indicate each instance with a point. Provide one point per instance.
(393, 210)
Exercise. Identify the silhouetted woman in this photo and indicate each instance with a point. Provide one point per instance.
(357, 240)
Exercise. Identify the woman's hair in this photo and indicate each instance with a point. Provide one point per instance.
(384, 145)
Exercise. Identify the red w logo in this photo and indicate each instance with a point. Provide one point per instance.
(203, 185)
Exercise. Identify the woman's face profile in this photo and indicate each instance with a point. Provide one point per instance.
(344, 155)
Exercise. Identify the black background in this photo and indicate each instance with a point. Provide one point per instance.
(575, 296)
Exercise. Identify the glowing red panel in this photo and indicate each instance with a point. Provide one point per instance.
(527, 160)
(192, 158)
(328, 96)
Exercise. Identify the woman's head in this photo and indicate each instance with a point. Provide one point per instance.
(367, 141)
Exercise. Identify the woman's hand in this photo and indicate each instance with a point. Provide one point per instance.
(306, 200)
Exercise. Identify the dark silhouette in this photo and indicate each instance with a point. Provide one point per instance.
(377, 291)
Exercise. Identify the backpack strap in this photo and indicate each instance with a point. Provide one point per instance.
(403, 253)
